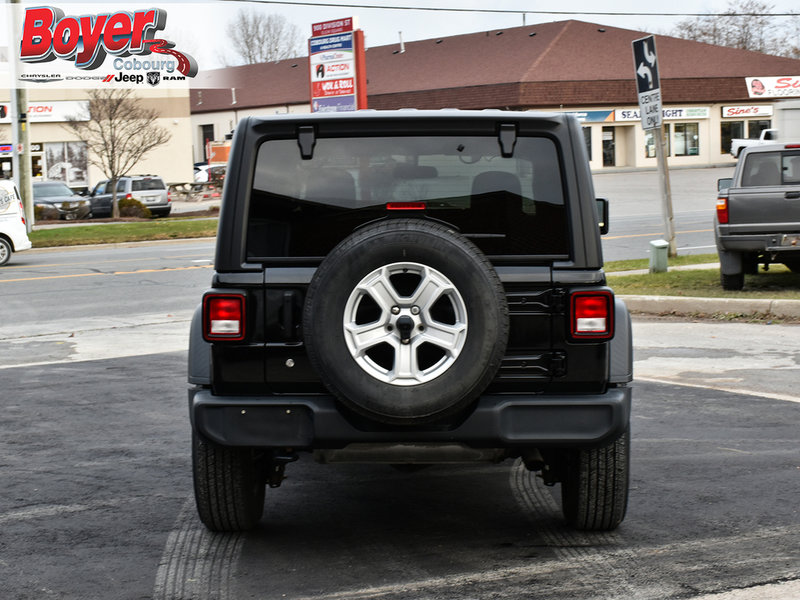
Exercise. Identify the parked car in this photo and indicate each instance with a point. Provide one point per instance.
(201, 173)
(150, 190)
(768, 136)
(758, 213)
(56, 200)
(101, 201)
(13, 232)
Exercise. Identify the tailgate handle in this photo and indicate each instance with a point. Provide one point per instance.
(792, 195)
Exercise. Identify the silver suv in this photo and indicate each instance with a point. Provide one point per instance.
(150, 190)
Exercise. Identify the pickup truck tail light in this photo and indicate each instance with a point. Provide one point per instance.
(223, 317)
(592, 315)
(722, 210)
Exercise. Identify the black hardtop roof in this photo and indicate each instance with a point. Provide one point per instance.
(414, 114)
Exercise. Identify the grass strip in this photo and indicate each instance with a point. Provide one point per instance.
(644, 263)
(777, 284)
(114, 233)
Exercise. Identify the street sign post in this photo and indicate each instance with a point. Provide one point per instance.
(648, 88)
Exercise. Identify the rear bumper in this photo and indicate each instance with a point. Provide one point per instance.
(765, 242)
(314, 422)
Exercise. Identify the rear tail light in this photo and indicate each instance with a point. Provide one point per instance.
(128, 196)
(223, 317)
(592, 315)
(22, 212)
(722, 210)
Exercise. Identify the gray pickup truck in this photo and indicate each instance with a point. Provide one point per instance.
(758, 213)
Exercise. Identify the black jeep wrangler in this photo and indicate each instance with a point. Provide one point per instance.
(410, 288)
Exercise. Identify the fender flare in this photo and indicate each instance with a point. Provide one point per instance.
(621, 349)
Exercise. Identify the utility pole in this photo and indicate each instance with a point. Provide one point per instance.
(21, 157)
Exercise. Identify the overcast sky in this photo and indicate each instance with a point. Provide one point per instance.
(199, 28)
(381, 25)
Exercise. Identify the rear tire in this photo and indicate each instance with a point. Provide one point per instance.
(750, 264)
(732, 282)
(229, 485)
(594, 487)
(793, 266)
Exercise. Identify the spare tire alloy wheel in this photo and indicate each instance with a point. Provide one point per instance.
(406, 322)
(417, 337)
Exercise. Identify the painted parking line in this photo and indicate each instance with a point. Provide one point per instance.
(112, 274)
(657, 234)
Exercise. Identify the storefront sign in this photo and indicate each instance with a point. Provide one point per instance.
(593, 116)
(672, 114)
(335, 53)
(52, 112)
(773, 87)
(752, 110)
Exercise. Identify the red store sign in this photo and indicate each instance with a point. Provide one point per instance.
(753, 110)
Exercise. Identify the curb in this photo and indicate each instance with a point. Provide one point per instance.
(671, 305)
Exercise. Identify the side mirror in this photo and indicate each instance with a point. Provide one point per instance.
(724, 184)
(602, 214)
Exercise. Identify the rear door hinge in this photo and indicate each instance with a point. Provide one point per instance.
(558, 300)
(306, 139)
(558, 364)
(507, 136)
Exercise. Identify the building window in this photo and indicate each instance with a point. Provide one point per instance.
(587, 137)
(754, 128)
(687, 139)
(609, 147)
(650, 142)
(67, 162)
(730, 130)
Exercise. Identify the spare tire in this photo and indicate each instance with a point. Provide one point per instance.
(406, 321)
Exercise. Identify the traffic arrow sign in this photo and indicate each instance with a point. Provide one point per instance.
(645, 63)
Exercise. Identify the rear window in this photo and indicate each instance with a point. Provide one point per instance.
(51, 190)
(771, 168)
(506, 206)
(142, 185)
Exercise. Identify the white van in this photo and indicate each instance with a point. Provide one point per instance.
(13, 233)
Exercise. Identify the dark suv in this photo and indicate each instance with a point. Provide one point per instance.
(410, 288)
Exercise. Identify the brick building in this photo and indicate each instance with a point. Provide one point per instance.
(572, 66)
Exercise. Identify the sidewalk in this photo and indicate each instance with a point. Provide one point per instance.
(680, 305)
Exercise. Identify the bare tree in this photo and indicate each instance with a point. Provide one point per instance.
(118, 134)
(745, 24)
(258, 37)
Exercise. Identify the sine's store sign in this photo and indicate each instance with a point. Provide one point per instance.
(336, 62)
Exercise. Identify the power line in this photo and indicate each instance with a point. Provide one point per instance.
(514, 12)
